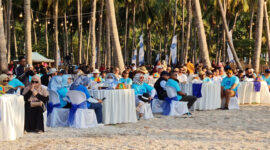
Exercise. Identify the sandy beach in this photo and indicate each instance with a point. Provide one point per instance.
(247, 128)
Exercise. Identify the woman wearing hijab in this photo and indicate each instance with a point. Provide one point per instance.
(35, 97)
(63, 90)
(80, 85)
(140, 88)
(111, 81)
(55, 83)
(4, 87)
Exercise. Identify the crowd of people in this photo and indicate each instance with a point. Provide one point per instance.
(34, 83)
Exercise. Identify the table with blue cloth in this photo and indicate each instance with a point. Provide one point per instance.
(208, 95)
(119, 106)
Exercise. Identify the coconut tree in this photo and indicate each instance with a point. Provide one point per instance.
(258, 37)
(189, 21)
(79, 7)
(99, 35)
(114, 35)
(267, 29)
(28, 39)
(93, 35)
(9, 3)
(201, 33)
(56, 33)
(3, 50)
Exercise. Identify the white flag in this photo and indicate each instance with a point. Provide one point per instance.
(141, 52)
(134, 57)
(58, 57)
(229, 51)
(174, 50)
(157, 58)
(167, 59)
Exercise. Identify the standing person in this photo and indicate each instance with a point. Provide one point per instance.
(20, 70)
(160, 85)
(229, 86)
(11, 66)
(35, 97)
(181, 96)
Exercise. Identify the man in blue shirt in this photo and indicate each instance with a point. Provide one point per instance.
(181, 96)
(266, 77)
(229, 86)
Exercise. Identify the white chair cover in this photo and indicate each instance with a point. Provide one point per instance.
(146, 109)
(45, 120)
(178, 108)
(233, 104)
(59, 116)
(84, 118)
(157, 105)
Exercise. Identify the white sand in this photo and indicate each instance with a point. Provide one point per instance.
(248, 128)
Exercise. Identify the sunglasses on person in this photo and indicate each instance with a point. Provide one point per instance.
(5, 80)
(34, 82)
(9, 74)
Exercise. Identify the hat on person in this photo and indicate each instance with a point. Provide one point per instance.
(96, 71)
(209, 72)
(62, 71)
(201, 73)
(142, 70)
(164, 73)
(176, 70)
(52, 70)
(267, 70)
(144, 97)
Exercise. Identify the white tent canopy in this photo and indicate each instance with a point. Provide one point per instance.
(38, 58)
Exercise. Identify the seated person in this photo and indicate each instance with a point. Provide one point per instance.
(240, 75)
(110, 81)
(125, 79)
(80, 85)
(216, 77)
(208, 77)
(63, 90)
(249, 73)
(202, 75)
(96, 77)
(140, 88)
(266, 77)
(116, 72)
(14, 82)
(229, 86)
(103, 75)
(182, 78)
(35, 97)
(4, 87)
(160, 85)
(181, 96)
(55, 83)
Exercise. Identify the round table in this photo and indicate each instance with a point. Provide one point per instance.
(247, 94)
(119, 106)
(12, 117)
(210, 99)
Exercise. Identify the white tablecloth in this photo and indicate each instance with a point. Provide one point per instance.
(119, 106)
(247, 94)
(12, 117)
(210, 99)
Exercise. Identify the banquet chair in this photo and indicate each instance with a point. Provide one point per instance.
(177, 108)
(45, 120)
(83, 117)
(157, 105)
(58, 117)
(233, 104)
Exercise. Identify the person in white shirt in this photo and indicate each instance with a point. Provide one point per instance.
(182, 78)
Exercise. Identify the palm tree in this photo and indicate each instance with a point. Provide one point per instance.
(3, 50)
(126, 32)
(189, 21)
(9, 3)
(258, 39)
(79, 6)
(56, 33)
(115, 36)
(28, 39)
(201, 33)
(99, 36)
(93, 35)
(228, 36)
(267, 29)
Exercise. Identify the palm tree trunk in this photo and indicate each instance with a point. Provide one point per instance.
(115, 36)
(258, 39)
(100, 19)
(3, 50)
(15, 41)
(175, 16)
(56, 34)
(224, 34)
(88, 44)
(9, 3)
(28, 41)
(133, 23)
(250, 30)
(93, 36)
(182, 54)
(79, 31)
(126, 34)
(65, 39)
(34, 28)
(201, 34)
(228, 36)
(267, 31)
(189, 21)
(46, 35)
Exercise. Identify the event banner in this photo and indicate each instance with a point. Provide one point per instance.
(173, 54)
(141, 51)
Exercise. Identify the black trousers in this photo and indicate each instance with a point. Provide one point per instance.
(190, 99)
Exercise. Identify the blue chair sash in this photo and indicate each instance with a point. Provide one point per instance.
(50, 107)
(257, 86)
(197, 90)
(73, 110)
(166, 106)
